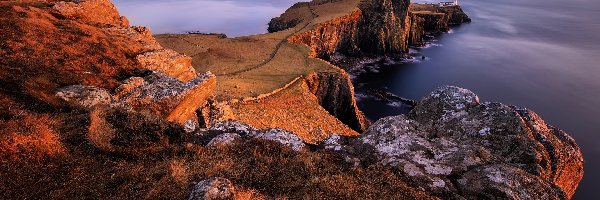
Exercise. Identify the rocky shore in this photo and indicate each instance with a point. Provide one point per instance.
(93, 107)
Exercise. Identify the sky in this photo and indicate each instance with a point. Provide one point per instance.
(232, 17)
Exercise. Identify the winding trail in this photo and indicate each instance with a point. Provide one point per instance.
(276, 50)
(271, 56)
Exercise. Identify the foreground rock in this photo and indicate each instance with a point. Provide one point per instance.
(226, 132)
(213, 189)
(155, 93)
(167, 96)
(454, 146)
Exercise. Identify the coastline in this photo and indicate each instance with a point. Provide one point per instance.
(262, 116)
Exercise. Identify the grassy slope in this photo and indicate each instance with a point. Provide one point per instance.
(252, 65)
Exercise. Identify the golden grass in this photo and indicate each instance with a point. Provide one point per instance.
(294, 109)
(30, 136)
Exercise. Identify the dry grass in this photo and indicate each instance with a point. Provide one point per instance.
(43, 52)
(49, 152)
(29, 136)
(280, 172)
(294, 109)
(333, 9)
(259, 169)
(119, 131)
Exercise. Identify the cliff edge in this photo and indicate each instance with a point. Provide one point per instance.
(366, 28)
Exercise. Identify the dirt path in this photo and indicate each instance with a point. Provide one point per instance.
(274, 53)
(271, 56)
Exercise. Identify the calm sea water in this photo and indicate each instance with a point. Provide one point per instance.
(539, 54)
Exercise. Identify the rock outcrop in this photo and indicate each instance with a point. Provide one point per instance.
(84, 96)
(226, 132)
(335, 93)
(167, 96)
(99, 12)
(169, 62)
(213, 189)
(430, 20)
(454, 146)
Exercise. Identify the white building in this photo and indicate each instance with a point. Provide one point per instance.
(448, 3)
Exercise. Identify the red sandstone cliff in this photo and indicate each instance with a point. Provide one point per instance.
(374, 27)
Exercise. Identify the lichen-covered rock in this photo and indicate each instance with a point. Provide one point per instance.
(450, 143)
(166, 96)
(333, 143)
(190, 125)
(225, 132)
(283, 137)
(84, 96)
(232, 126)
(213, 189)
(503, 181)
(224, 139)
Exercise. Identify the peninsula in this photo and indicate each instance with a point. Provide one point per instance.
(93, 107)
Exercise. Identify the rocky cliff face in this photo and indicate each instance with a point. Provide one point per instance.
(335, 93)
(383, 27)
(454, 146)
(375, 27)
(431, 20)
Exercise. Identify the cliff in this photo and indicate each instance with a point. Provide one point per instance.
(428, 20)
(369, 28)
(335, 93)
(372, 27)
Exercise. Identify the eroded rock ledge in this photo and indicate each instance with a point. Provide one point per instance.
(453, 146)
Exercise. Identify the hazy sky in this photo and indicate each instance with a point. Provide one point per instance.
(233, 17)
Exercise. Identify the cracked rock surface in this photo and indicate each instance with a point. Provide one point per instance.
(452, 145)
